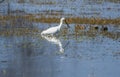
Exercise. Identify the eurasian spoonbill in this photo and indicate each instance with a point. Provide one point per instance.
(55, 29)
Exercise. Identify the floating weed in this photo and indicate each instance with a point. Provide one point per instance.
(64, 31)
(18, 31)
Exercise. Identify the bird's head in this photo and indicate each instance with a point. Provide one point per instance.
(65, 22)
(62, 19)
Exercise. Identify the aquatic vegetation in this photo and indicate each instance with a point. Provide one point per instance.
(18, 31)
(15, 25)
(64, 31)
(79, 27)
(22, 25)
(77, 20)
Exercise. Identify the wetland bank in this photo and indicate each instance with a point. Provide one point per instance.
(91, 46)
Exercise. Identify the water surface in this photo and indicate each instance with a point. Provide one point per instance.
(85, 50)
(84, 55)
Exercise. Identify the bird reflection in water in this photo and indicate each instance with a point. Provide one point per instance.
(54, 40)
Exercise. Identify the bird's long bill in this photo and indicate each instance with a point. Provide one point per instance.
(67, 24)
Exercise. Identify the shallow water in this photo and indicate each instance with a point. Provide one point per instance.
(87, 51)
(67, 8)
(88, 54)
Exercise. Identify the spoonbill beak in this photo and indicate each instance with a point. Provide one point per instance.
(67, 24)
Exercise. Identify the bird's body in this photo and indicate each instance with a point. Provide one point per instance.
(53, 30)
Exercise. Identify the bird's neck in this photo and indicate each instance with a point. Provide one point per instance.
(61, 22)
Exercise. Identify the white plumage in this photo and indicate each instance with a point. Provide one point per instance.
(53, 30)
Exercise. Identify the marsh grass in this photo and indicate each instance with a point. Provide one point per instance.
(18, 31)
(70, 20)
(16, 25)
(22, 25)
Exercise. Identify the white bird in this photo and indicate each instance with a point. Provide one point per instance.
(55, 29)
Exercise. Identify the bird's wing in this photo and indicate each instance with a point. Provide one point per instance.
(51, 30)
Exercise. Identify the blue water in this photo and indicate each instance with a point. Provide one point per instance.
(67, 8)
(83, 56)
(91, 53)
